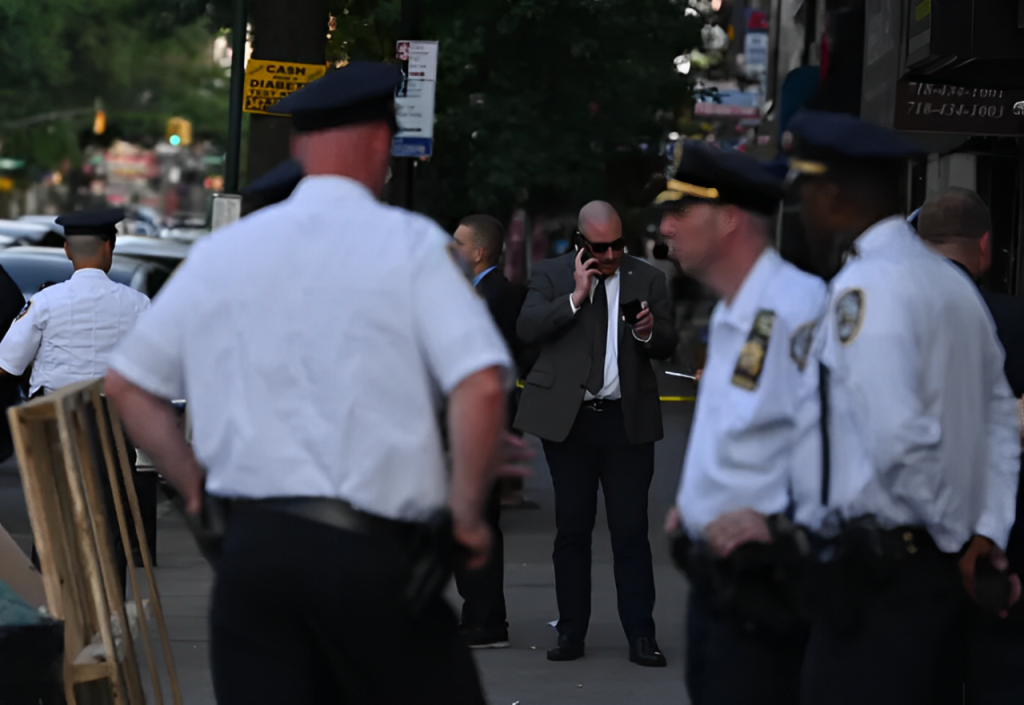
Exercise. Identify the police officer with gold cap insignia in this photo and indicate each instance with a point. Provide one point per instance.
(315, 375)
(908, 450)
(745, 627)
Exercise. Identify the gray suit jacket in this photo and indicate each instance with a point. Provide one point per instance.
(554, 388)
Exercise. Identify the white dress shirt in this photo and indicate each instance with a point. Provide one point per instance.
(314, 341)
(70, 329)
(611, 389)
(922, 423)
(739, 453)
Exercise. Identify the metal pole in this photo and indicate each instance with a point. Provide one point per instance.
(238, 29)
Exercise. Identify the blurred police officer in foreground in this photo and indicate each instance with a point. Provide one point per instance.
(68, 331)
(745, 634)
(915, 452)
(957, 224)
(314, 380)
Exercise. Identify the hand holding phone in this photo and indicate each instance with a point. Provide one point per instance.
(631, 310)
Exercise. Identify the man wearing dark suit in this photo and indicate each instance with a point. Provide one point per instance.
(592, 398)
(478, 243)
(957, 224)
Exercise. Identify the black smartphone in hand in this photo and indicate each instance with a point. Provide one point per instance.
(631, 310)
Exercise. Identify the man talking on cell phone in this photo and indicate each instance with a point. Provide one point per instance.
(592, 398)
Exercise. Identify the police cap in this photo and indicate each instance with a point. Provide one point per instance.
(817, 140)
(361, 91)
(98, 223)
(278, 183)
(705, 173)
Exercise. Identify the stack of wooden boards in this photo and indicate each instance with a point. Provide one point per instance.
(74, 469)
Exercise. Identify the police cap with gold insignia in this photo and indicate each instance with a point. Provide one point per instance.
(361, 91)
(98, 223)
(278, 183)
(816, 140)
(704, 173)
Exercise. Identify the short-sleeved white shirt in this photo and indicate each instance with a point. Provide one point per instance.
(315, 341)
(922, 423)
(69, 330)
(744, 426)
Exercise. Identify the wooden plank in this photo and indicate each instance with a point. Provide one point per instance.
(103, 431)
(117, 433)
(87, 454)
(88, 543)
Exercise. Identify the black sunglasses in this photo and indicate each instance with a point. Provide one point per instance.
(599, 248)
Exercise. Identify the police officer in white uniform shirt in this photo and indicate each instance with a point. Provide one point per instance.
(314, 373)
(68, 330)
(717, 216)
(909, 449)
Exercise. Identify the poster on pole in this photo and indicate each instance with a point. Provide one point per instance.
(414, 99)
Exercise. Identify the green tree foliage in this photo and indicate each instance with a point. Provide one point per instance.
(144, 60)
(540, 102)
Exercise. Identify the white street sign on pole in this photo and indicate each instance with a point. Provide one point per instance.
(414, 100)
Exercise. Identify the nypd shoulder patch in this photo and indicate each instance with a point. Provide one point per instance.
(24, 310)
(849, 314)
(751, 362)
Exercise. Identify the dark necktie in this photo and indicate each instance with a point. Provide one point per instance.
(599, 338)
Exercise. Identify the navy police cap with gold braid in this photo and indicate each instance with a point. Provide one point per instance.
(98, 223)
(705, 173)
(816, 139)
(361, 91)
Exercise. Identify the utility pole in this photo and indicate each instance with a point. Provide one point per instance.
(283, 30)
(403, 169)
(238, 30)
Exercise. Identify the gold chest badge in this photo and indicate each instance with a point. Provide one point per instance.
(751, 361)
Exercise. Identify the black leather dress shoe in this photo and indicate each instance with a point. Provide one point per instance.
(566, 650)
(645, 652)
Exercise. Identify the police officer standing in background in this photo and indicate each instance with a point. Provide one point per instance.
(915, 451)
(68, 331)
(957, 224)
(315, 419)
(745, 632)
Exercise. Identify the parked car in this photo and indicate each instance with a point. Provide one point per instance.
(155, 249)
(29, 232)
(32, 267)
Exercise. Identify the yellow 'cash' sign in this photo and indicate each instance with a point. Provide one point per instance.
(267, 82)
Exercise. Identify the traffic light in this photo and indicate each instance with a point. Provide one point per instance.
(179, 132)
(99, 123)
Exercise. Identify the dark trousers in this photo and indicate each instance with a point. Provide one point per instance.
(728, 663)
(597, 452)
(995, 658)
(306, 613)
(903, 648)
(483, 590)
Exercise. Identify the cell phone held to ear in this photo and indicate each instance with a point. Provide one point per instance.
(631, 310)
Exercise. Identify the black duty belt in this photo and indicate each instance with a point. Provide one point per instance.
(336, 513)
(600, 404)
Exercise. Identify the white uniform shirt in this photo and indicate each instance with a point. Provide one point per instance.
(70, 329)
(922, 423)
(313, 341)
(739, 450)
